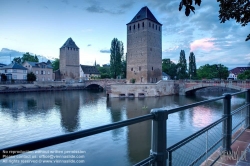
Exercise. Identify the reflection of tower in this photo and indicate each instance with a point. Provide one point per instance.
(69, 60)
(144, 48)
(69, 111)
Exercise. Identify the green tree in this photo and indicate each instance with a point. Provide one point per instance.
(17, 60)
(212, 71)
(104, 71)
(192, 66)
(116, 54)
(55, 64)
(124, 67)
(31, 76)
(182, 66)
(245, 75)
(169, 67)
(28, 57)
(238, 10)
(3, 77)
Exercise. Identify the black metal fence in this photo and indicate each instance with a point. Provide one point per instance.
(192, 150)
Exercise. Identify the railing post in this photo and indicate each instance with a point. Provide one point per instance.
(227, 124)
(248, 108)
(159, 137)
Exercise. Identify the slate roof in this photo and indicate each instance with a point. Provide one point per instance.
(144, 13)
(239, 70)
(38, 65)
(1, 65)
(70, 43)
(89, 69)
(14, 66)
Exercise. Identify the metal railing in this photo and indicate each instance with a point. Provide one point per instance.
(192, 150)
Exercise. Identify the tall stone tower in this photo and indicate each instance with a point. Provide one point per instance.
(69, 61)
(144, 48)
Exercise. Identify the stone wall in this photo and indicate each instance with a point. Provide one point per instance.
(161, 88)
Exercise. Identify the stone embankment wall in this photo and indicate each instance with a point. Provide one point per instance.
(161, 88)
(39, 86)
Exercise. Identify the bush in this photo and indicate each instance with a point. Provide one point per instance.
(31, 76)
(132, 80)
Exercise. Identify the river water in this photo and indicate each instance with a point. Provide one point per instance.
(32, 116)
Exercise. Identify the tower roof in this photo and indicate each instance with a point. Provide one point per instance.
(144, 13)
(69, 43)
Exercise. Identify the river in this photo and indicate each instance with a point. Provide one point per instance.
(32, 116)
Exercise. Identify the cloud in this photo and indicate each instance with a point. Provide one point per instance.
(104, 51)
(206, 44)
(88, 45)
(96, 8)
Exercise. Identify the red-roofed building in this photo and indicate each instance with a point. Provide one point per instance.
(236, 71)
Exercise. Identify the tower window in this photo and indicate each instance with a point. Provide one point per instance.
(134, 26)
(156, 27)
(152, 68)
(68, 48)
(130, 28)
(149, 24)
(132, 69)
(159, 28)
(139, 68)
(138, 25)
(142, 24)
(153, 26)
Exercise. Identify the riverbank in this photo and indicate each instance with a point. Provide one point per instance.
(38, 87)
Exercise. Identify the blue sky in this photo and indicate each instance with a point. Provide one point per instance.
(42, 27)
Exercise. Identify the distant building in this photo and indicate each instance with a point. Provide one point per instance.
(14, 71)
(236, 71)
(42, 70)
(165, 76)
(69, 61)
(2, 65)
(144, 48)
(86, 72)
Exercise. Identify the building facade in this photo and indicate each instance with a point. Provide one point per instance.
(88, 72)
(42, 70)
(236, 71)
(144, 48)
(69, 61)
(14, 71)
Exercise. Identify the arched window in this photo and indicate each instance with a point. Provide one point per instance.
(142, 24)
(138, 25)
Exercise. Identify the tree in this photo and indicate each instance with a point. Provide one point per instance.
(17, 60)
(3, 77)
(192, 66)
(31, 76)
(169, 67)
(239, 10)
(28, 57)
(182, 66)
(124, 67)
(116, 54)
(55, 64)
(104, 71)
(212, 71)
(245, 75)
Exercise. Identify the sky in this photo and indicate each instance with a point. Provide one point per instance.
(43, 26)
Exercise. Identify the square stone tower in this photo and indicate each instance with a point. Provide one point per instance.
(144, 48)
(69, 61)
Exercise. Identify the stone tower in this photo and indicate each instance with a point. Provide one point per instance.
(69, 61)
(144, 48)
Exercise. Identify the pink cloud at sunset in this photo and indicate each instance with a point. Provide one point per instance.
(205, 44)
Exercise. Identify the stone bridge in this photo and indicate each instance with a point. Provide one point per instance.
(189, 87)
(103, 83)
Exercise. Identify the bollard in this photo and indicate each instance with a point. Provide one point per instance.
(159, 137)
(227, 125)
(248, 109)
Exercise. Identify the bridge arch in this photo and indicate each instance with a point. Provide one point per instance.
(94, 86)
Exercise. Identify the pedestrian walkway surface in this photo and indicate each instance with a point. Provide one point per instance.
(240, 155)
